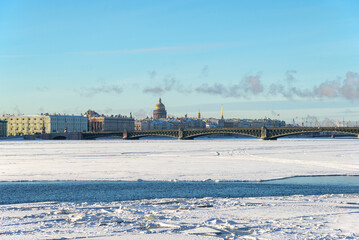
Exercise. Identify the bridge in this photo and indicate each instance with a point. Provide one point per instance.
(263, 133)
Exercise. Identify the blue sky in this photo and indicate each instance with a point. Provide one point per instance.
(257, 58)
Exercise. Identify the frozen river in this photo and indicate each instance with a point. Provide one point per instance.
(166, 160)
(329, 215)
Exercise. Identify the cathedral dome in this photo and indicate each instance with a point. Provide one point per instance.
(159, 105)
(160, 111)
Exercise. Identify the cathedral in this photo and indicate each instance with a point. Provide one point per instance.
(160, 111)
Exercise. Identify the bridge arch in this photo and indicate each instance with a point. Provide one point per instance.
(152, 133)
(192, 136)
(149, 135)
(193, 133)
(318, 130)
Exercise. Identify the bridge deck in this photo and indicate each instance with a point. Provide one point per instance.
(263, 133)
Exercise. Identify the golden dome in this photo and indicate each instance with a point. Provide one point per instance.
(159, 105)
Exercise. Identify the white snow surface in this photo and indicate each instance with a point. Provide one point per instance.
(198, 160)
(288, 217)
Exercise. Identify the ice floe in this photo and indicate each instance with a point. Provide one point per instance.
(290, 217)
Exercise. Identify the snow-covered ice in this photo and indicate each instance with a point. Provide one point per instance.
(288, 217)
(220, 159)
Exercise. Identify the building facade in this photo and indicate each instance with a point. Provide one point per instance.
(160, 120)
(149, 124)
(188, 123)
(185, 123)
(3, 128)
(160, 111)
(19, 125)
(267, 122)
(102, 123)
(68, 123)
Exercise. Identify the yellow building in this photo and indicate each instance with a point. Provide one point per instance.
(3, 127)
(37, 124)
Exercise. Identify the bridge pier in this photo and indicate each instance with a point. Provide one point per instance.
(180, 134)
(264, 133)
(268, 138)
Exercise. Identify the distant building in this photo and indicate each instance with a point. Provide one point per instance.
(3, 127)
(266, 122)
(102, 123)
(185, 123)
(160, 111)
(158, 122)
(150, 124)
(19, 125)
(242, 123)
(214, 123)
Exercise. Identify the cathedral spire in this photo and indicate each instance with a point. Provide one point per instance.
(222, 113)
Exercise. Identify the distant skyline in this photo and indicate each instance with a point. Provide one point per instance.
(277, 59)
